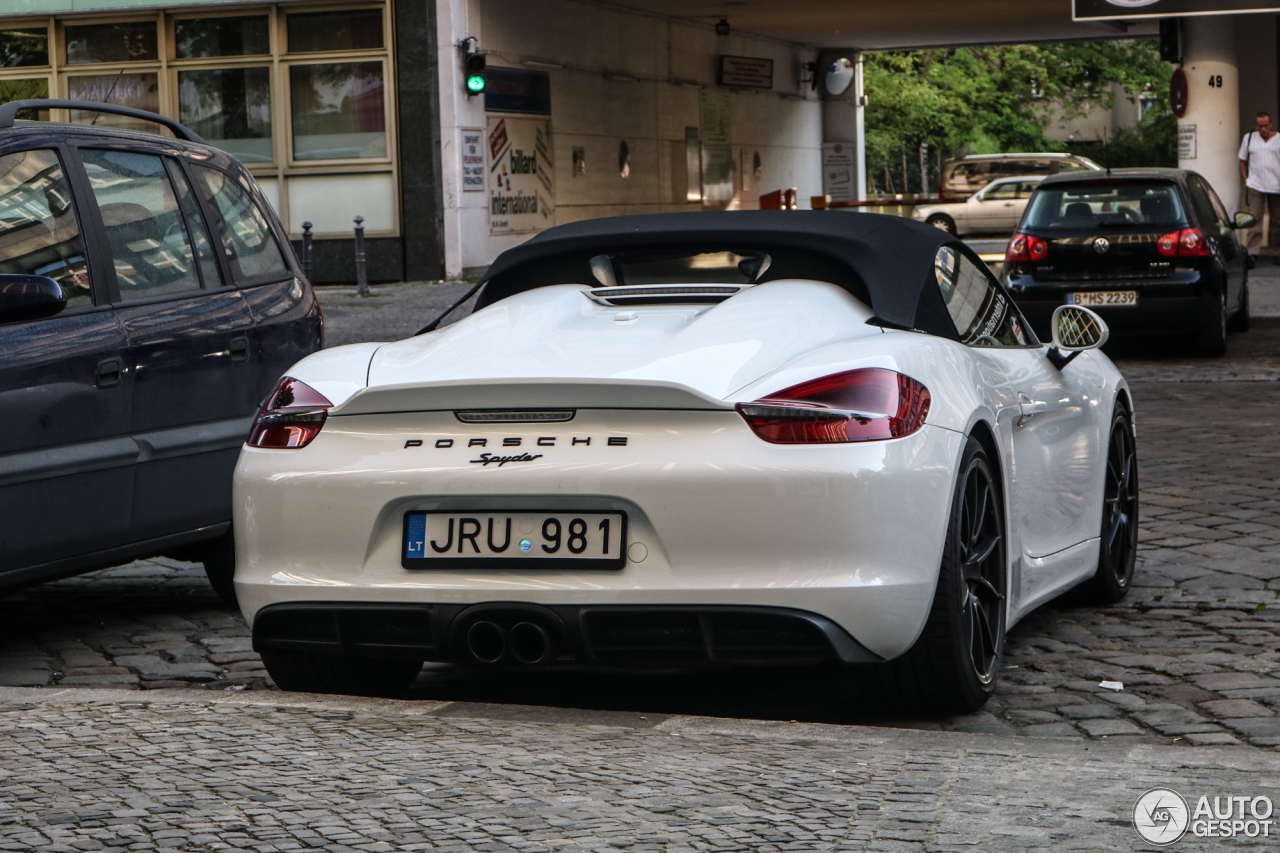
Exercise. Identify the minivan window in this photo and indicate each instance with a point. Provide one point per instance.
(246, 237)
(210, 272)
(150, 246)
(38, 231)
(1104, 204)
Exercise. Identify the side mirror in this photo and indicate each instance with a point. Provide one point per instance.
(1244, 220)
(1075, 329)
(29, 297)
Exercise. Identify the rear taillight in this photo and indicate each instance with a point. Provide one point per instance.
(291, 417)
(1024, 248)
(1187, 243)
(871, 404)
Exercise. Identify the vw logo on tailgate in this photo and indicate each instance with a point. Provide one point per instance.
(1101, 245)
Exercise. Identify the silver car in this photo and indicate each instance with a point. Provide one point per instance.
(997, 207)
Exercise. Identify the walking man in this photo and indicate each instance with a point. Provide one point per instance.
(1260, 168)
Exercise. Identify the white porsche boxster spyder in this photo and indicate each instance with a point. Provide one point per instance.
(693, 440)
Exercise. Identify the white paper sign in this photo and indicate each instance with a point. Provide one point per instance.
(837, 171)
(521, 174)
(472, 150)
(1186, 142)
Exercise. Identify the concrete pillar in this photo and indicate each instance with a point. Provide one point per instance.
(1209, 59)
(842, 116)
(859, 124)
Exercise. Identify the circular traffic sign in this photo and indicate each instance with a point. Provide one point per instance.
(1178, 93)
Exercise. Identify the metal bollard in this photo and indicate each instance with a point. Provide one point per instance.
(362, 282)
(306, 251)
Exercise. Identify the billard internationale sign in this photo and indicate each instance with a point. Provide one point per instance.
(1099, 10)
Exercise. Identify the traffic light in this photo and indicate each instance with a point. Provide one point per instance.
(474, 66)
(1170, 50)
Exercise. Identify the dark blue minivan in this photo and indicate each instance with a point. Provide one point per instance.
(149, 299)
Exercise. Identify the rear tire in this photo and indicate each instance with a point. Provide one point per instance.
(1118, 550)
(1213, 334)
(1239, 321)
(942, 222)
(219, 558)
(315, 672)
(953, 666)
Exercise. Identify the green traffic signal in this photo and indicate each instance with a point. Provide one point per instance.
(475, 83)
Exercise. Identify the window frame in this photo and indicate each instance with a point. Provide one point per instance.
(283, 167)
(215, 218)
(99, 287)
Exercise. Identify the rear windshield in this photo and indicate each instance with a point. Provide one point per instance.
(1105, 204)
(679, 267)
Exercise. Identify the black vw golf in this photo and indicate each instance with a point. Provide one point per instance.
(1152, 250)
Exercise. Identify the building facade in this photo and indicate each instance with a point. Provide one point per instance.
(309, 96)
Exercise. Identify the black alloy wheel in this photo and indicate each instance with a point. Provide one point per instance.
(982, 552)
(1213, 334)
(952, 667)
(1239, 321)
(1118, 548)
(942, 222)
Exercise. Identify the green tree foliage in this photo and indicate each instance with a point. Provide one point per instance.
(993, 99)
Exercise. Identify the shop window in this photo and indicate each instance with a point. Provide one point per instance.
(19, 90)
(22, 48)
(38, 232)
(238, 36)
(313, 32)
(245, 235)
(150, 246)
(231, 108)
(338, 111)
(119, 42)
(140, 90)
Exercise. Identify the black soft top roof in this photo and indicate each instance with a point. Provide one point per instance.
(885, 261)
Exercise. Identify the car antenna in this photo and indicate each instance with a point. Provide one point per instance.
(431, 327)
(107, 99)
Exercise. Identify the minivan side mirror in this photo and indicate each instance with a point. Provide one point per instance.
(1075, 329)
(29, 297)
(1243, 219)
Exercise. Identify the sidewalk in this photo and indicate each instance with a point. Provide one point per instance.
(189, 770)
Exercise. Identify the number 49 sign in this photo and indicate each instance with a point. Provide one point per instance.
(1178, 92)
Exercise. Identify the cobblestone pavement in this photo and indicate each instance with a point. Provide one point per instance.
(180, 770)
(1196, 644)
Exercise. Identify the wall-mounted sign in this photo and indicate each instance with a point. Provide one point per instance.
(747, 71)
(517, 90)
(1099, 10)
(472, 150)
(716, 128)
(837, 171)
(521, 179)
(1186, 142)
(1179, 91)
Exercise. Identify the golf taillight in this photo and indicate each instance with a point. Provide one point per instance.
(870, 404)
(1187, 243)
(291, 417)
(1024, 248)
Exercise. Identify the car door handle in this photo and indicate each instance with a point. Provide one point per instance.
(239, 349)
(1029, 408)
(1008, 204)
(110, 372)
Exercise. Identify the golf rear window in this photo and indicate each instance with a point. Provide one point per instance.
(1105, 204)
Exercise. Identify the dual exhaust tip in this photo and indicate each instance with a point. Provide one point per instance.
(527, 643)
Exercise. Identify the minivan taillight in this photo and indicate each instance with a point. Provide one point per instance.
(869, 404)
(1024, 248)
(1187, 243)
(291, 417)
